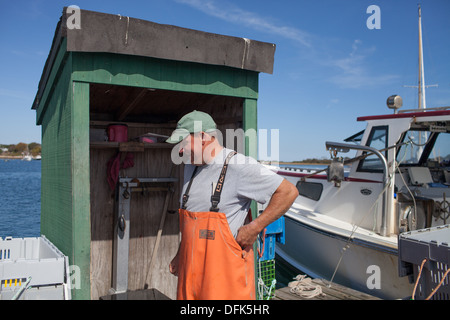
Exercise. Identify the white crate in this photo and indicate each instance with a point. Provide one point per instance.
(37, 258)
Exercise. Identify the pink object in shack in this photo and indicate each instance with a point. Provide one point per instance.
(118, 132)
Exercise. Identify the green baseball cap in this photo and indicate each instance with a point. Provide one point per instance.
(193, 122)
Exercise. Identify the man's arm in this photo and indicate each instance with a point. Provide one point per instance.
(281, 201)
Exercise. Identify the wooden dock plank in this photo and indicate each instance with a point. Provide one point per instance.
(333, 292)
(341, 292)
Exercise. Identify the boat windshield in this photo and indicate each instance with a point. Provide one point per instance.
(431, 148)
(377, 140)
(356, 138)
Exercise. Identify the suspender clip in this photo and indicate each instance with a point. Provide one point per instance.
(215, 199)
(184, 201)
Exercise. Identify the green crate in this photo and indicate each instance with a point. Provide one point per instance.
(266, 279)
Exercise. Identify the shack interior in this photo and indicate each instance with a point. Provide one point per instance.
(111, 204)
(144, 111)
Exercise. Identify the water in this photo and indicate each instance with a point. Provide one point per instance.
(20, 198)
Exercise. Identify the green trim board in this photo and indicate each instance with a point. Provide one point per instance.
(163, 74)
(149, 73)
(65, 185)
(81, 231)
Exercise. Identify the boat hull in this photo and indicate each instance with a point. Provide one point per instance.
(363, 266)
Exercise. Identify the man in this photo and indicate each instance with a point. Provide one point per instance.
(215, 257)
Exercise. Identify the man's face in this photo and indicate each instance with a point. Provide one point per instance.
(191, 147)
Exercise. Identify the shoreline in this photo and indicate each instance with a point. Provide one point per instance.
(8, 157)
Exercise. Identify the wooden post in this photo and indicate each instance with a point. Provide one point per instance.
(81, 231)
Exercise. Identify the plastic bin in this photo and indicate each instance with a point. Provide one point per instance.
(274, 232)
(431, 244)
(36, 259)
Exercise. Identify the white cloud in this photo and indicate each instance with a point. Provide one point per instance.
(350, 71)
(233, 14)
(354, 69)
(332, 102)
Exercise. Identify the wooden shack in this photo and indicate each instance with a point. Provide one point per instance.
(111, 69)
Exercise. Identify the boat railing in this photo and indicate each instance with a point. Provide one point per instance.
(345, 147)
(424, 109)
(299, 169)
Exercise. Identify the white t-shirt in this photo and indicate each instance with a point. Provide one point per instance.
(245, 180)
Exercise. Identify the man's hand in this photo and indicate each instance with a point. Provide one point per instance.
(280, 202)
(173, 266)
(247, 235)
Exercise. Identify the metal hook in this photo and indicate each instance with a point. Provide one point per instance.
(126, 193)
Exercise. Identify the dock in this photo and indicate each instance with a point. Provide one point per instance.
(329, 292)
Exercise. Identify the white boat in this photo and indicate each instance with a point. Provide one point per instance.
(27, 157)
(344, 225)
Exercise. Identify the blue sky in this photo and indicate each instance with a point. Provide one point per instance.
(329, 66)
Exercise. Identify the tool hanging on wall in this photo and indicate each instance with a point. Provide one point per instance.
(161, 226)
(122, 229)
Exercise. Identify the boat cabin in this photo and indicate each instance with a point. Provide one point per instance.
(398, 179)
(347, 217)
(416, 146)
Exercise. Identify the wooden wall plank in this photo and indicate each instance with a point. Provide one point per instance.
(56, 181)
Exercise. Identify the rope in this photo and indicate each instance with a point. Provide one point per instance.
(418, 277)
(435, 289)
(303, 287)
(263, 289)
(355, 227)
(439, 285)
(261, 251)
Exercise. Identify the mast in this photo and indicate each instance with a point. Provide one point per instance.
(421, 85)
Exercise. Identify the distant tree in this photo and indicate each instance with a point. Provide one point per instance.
(36, 150)
(22, 147)
(33, 145)
(18, 148)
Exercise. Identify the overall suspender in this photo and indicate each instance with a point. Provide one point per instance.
(215, 198)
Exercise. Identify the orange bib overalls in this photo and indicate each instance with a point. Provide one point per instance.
(212, 265)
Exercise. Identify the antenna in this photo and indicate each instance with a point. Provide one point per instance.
(421, 86)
